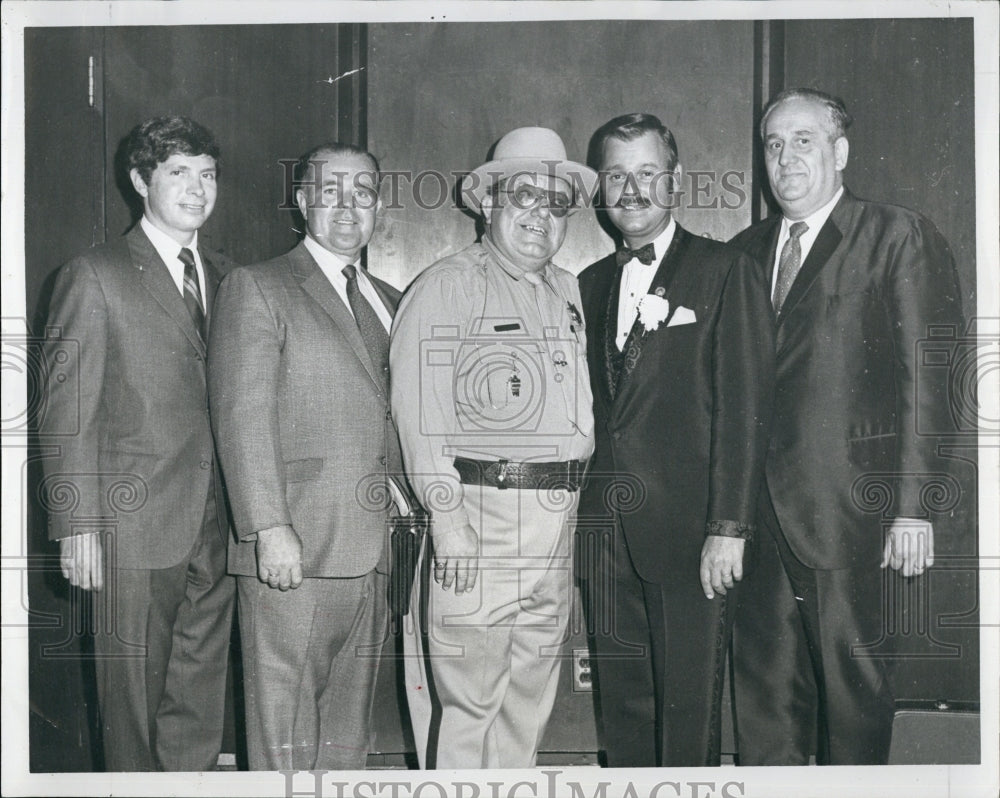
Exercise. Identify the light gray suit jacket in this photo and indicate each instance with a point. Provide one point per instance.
(300, 416)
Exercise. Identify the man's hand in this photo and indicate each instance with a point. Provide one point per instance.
(909, 546)
(721, 564)
(455, 559)
(279, 557)
(82, 560)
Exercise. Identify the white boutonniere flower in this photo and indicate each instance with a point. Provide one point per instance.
(653, 310)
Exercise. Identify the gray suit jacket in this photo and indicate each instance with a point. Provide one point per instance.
(126, 404)
(300, 417)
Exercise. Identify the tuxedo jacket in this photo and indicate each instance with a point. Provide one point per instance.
(301, 416)
(857, 412)
(682, 431)
(126, 405)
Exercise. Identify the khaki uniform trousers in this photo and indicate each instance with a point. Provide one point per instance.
(482, 668)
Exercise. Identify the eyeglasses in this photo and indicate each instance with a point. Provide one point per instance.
(527, 196)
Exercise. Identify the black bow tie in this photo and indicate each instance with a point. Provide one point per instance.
(644, 255)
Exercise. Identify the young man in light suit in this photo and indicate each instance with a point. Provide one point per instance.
(133, 497)
(298, 383)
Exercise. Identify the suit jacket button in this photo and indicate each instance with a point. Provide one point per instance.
(381, 459)
(205, 464)
(617, 436)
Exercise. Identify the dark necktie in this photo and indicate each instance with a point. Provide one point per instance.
(789, 264)
(192, 291)
(372, 331)
(644, 255)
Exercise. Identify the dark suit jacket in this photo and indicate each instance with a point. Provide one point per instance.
(127, 404)
(300, 416)
(686, 429)
(850, 391)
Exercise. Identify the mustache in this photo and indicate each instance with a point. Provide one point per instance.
(632, 201)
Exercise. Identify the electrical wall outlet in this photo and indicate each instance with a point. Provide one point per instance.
(582, 677)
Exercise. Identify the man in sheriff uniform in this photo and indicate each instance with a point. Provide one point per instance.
(490, 392)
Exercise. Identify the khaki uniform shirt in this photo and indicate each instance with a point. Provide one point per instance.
(487, 362)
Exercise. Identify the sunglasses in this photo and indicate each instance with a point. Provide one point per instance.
(527, 196)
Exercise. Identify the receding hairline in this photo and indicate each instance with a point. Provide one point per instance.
(837, 118)
(330, 155)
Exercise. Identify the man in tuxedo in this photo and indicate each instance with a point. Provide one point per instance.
(133, 497)
(855, 285)
(490, 390)
(298, 385)
(681, 367)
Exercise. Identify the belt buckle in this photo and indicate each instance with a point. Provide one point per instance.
(502, 475)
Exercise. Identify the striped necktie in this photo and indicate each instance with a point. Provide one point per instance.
(192, 291)
(789, 264)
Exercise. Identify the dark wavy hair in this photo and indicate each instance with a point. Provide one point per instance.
(629, 127)
(152, 142)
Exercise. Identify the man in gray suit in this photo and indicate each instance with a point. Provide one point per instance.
(297, 377)
(133, 498)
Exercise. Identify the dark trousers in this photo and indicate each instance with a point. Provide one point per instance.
(659, 653)
(796, 677)
(162, 649)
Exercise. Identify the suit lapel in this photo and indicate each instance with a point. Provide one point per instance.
(156, 279)
(315, 283)
(638, 337)
(769, 253)
(610, 331)
(211, 284)
(388, 295)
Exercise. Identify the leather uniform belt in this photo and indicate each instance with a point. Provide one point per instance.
(504, 474)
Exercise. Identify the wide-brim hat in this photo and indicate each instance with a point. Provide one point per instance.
(530, 150)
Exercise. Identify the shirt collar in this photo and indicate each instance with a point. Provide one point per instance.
(817, 218)
(165, 246)
(328, 260)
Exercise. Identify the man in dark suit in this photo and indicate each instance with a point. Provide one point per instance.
(681, 365)
(299, 361)
(855, 286)
(133, 497)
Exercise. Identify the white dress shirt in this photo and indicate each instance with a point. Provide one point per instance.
(332, 266)
(815, 222)
(636, 279)
(168, 250)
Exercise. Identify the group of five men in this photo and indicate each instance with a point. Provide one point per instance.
(689, 407)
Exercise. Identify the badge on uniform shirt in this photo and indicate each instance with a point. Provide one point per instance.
(574, 314)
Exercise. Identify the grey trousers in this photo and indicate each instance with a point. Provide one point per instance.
(310, 660)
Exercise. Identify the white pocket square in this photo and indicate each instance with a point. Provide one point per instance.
(682, 315)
